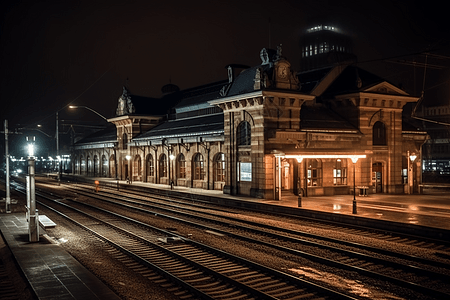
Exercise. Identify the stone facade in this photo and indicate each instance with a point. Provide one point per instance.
(270, 130)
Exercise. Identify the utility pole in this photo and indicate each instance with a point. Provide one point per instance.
(57, 150)
(8, 196)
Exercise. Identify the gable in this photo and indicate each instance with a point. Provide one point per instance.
(385, 88)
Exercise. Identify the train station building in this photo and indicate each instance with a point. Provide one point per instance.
(265, 131)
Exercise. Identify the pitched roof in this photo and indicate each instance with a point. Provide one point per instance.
(196, 98)
(109, 134)
(209, 124)
(244, 82)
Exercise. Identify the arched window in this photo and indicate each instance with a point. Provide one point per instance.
(314, 172)
(163, 166)
(379, 134)
(244, 134)
(104, 166)
(181, 166)
(150, 166)
(124, 141)
(76, 166)
(83, 166)
(340, 172)
(219, 167)
(89, 166)
(137, 167)
(96, 165)
(198, 167)
(112, 166)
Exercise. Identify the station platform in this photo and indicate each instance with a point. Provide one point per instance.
(54, 274)
(430, 209)
(51, 271)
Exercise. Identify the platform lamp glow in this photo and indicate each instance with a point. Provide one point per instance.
(354, 161)
(33, 217)
(171, 158)
(412, 158)
(128, 157)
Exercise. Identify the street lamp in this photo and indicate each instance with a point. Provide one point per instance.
(88, 108)
(33, 220)
(171, 157)
(354, 160)
(130, 176)
(412, 158)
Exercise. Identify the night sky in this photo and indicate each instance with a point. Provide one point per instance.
(56, 53)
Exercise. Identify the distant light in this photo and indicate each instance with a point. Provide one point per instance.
(30, 149)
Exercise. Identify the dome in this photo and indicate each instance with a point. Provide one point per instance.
(169, 88)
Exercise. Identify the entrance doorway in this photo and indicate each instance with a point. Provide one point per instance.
(377, 177)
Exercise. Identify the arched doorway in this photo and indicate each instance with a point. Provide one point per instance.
(96, 166)
(137, 168)
(104, 166)
(112, 166)
(377, 177)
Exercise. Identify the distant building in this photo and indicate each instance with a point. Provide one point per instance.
(323, 46)
(265, 132)
(437, 148)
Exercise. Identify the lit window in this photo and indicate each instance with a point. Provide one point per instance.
(163, 166)
(219, 167)
(181, 166)
(314, 173)
(150, 166)
(340, 172)
(199, 167)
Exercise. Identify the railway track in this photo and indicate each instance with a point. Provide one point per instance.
(435, 280)
(186, 267)
(388, 235)
(421, 278)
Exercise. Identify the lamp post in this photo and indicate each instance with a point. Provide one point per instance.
(412, 158)
(130, 176)
(354, 160)
(88, 108)
(8, 195)
(58, 157)
(33, 220)
(299, 189)
(171, 157)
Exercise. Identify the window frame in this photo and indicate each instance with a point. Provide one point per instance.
(150, 166)
(244, 134)
(340, 172)
(181, 166)
(162, 164)
(219, 167)
(198, 166)
(379, 135)
(314, 173)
